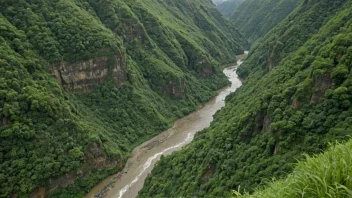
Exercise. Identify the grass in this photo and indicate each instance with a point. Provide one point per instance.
(325, 175)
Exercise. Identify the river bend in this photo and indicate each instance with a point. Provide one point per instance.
(130, 180)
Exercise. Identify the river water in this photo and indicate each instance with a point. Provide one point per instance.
(130, 180)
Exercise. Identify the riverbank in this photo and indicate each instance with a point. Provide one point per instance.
(130, 180)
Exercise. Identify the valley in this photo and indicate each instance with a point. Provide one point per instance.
(131, 98)
(295, 101)
(129, 181)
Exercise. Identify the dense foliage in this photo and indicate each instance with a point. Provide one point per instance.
(172, 52)
(227, 8)
(325, 175)
(254, 18)
(296, 99)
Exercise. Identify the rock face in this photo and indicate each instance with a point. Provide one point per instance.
(321, 84)
(266, 123)
(119, 72)
(97, 158)
(204, 66)
(4, 122)
(175, 89)
(208, 173)
(83, 76)
(132, 30)
(38, 193)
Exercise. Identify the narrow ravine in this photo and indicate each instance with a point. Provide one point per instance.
(130, 180)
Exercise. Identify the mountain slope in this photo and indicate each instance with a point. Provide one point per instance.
(85, 81)
(296, 99)
(308, 176)
(227, 8)
(255, 18)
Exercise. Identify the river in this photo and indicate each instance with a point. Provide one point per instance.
(130, 180)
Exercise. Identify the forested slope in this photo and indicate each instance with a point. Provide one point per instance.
(85, 81)
(296, 99)
(254, 18)
(325, 175)
(227, 8)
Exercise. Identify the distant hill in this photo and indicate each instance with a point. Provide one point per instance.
(227, 8)
(254, 18)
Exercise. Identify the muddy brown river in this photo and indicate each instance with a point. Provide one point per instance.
(127, 183)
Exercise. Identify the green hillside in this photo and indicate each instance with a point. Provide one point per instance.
(255, 18)
(296, 98)
(324, 175)
(85, 81)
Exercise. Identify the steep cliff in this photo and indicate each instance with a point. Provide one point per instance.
(85, 81)
(85, 75)
(296, 98)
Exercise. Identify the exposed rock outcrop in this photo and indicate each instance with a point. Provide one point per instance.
(38, 193)
(4, 122)
(276, 149)
(263, 122)
(132, 30)
(204, 66)
(295, 103)
(175, 89)
(83, 76)
(98, 159)
(208, 173)
(321, 84)
(266, 123)
(270, 58)
(270, 63)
